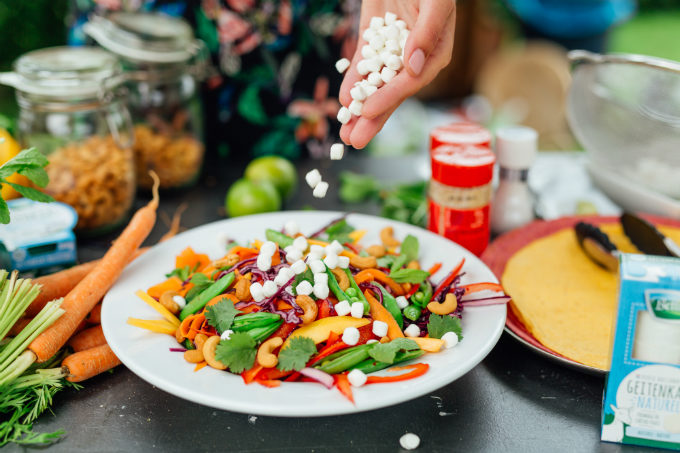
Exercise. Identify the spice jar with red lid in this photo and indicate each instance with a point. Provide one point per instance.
(460, 133)
(459, 194)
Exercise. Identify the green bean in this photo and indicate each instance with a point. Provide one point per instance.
(412, 312)
(252, 320)
(351, 292)
(371, 366)
(345, 362)
(280, 238)
(335, 287)
(341, 353)
(212, 291)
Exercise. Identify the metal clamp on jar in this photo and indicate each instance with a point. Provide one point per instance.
(71, 109)
(163, 64)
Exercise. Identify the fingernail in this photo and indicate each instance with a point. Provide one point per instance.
(417, 61)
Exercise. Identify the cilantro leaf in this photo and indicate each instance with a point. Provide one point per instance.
(4, 212)
(409, 275)
(181, 272)
(386, 352)
(221, 315)
(438, 325)
(296, 354)
(237, 353)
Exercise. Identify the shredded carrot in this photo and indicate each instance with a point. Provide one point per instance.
(88, 338)
(418, 369)
(380, 313)
(174, 223)
(276, 257)
(90, 362)
(171, 284)
(281, 305)
(486, 286)
(433, 270)
(191, 325)
(191, 259)
(200, 366)
(271, 383)
(220, 298)
(89, 291)
(244, 252)
(342, 383)
(375, 274)
(249, 375)
(250, 309)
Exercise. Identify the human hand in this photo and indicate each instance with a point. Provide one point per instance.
(428, 49)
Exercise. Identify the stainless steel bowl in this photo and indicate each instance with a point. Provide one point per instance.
(625, 111)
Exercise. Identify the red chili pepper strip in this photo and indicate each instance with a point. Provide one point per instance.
(324, 309)
(270, 374)
(352, 247)
(293, 377)
(418, 369)
(342, 383)
(449, 279)
(476, 287)
(414, 289)
(434, 269)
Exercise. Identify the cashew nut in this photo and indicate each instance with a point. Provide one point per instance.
(363, 262)
(178, 335)
(309, 306)
(413, 265)
(264, 354)
(193, 356)
(199, 340)
(342, 278)
(376, 250)
(444, 308)
(242, 289)
(228, 261)
(209, 353)
(387, 237)
(166, 301)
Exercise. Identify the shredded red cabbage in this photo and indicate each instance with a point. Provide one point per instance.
(494, 300)
(178, 349)
(374, 288)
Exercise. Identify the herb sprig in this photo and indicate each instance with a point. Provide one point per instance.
(31, 164)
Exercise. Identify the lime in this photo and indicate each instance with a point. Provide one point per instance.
(275, 169)
(251, 197)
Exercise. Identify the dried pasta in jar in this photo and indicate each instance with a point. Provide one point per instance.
(97, 178)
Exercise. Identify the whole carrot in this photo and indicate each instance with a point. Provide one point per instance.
(82, 299)
(95, 316)
(90, 362)
(87, 339)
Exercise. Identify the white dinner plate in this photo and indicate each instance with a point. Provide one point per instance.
(147, 354)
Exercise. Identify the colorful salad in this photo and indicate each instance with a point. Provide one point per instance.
(316, 308)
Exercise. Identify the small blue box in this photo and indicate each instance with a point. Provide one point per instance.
(642, 393)
(39, 235)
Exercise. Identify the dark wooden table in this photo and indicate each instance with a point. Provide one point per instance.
(514, 400)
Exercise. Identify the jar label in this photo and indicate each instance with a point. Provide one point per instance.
(469, 228)
(461, 198)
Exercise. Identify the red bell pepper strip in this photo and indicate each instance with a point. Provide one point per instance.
(449, 279)
(418, 369)
(271, 374)
(414, 289)
(352, 247)
(332, 338)
(324, 309)
(476, 287)
(342, 383)
(366, 333)
(268, 383)
(249, 375)
(284, 331)
(328, 350)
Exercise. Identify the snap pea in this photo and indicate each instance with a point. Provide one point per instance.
(345, 362)
(391, 305)
(278, 237)
(341, 353)
(351, 292)
(188, 344)
(261, 333)
(423, 296)
(335, 287)
(212, 291)
(371, 366)
(412, 312)
(253, 320)
(360, 295)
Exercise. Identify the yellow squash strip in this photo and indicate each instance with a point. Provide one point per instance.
(321, 328)
(429, 344)
(158, 307)
(158, 326)
(356, 235)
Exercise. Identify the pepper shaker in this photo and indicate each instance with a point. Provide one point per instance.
(513, 203)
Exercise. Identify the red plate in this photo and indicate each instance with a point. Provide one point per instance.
(504, 247)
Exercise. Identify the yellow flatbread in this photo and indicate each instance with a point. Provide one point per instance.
(565, 300)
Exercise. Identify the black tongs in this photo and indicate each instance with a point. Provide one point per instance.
(596, 244)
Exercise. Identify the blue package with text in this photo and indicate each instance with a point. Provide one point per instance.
(39, 235)
(642, 393)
